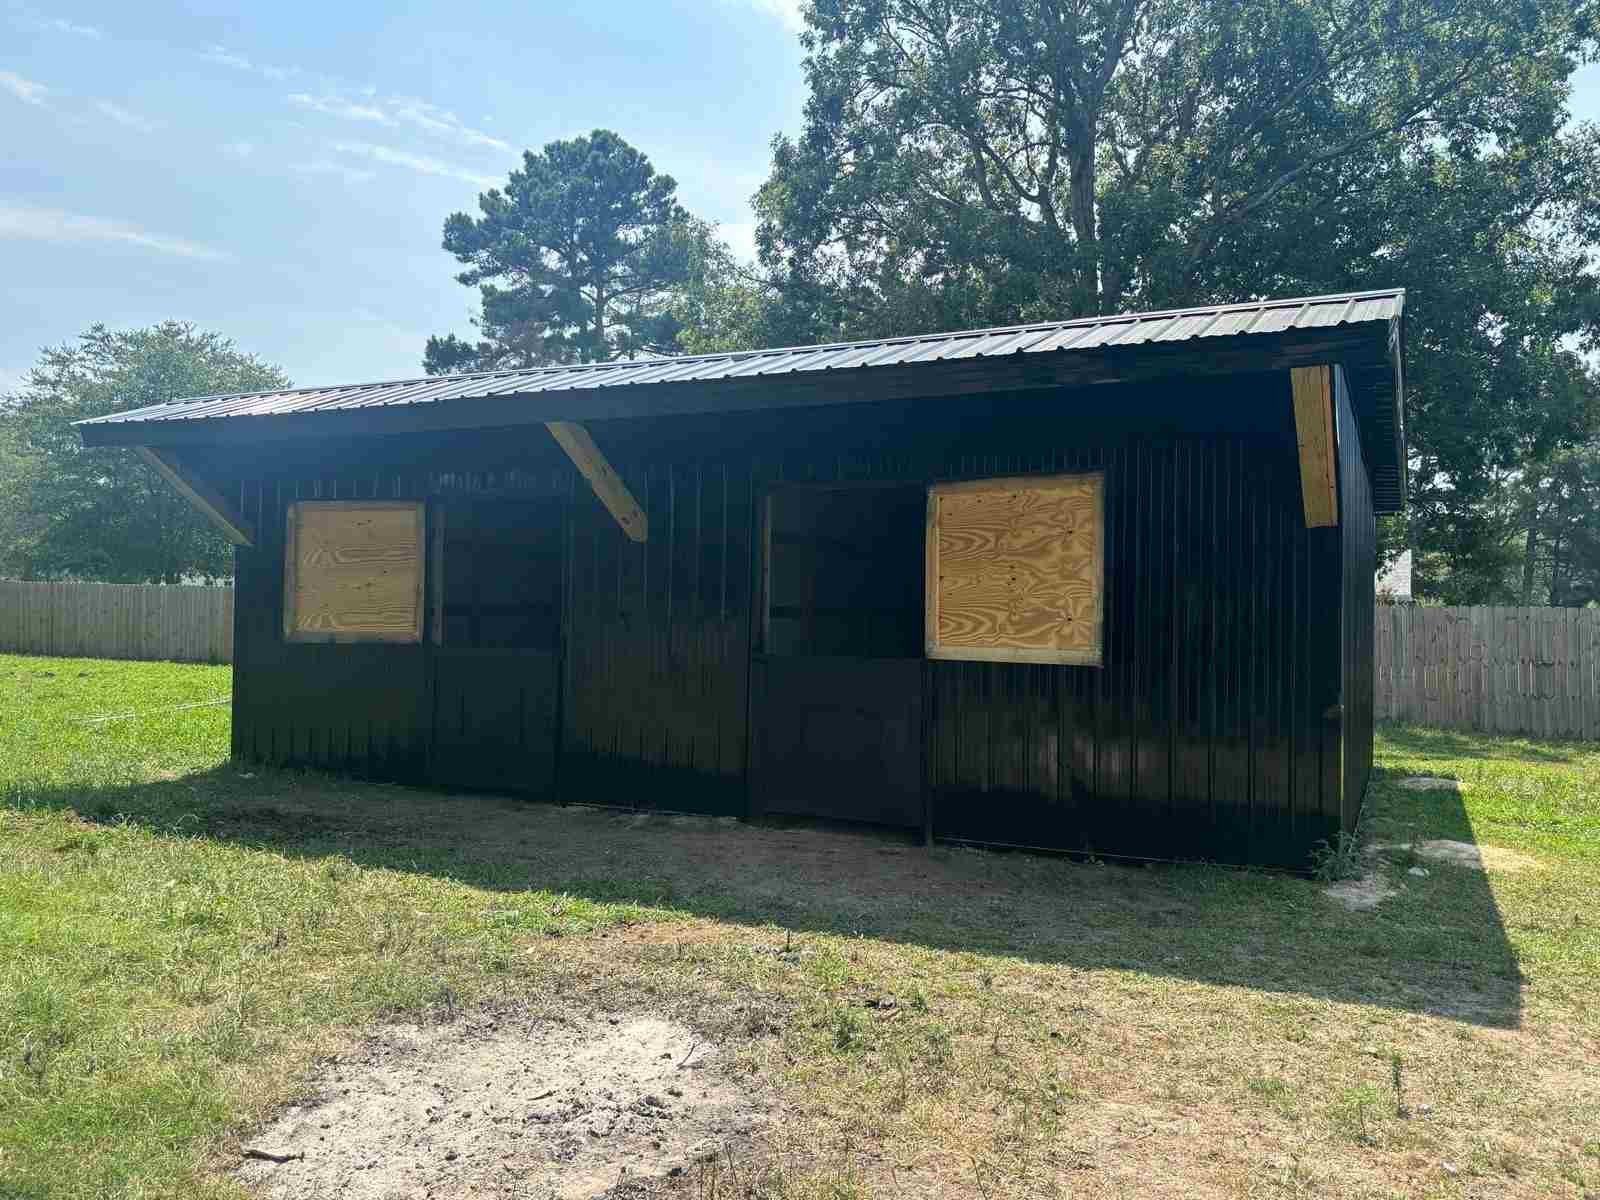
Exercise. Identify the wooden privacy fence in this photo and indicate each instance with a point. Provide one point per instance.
(1498, 670)
(117, 620)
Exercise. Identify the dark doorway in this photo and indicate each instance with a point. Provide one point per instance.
(837, 682)
(497, 575)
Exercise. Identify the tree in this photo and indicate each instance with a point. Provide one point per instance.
(722, 304)
(970, 162)
(575, 260)
(1573, 527)
(1556, 514)
(83, 513)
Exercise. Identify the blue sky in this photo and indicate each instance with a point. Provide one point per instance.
(281, 175)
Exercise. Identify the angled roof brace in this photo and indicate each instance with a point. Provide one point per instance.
(602, 477)
(201, 494)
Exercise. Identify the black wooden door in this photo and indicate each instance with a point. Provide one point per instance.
(494, 719)
(497, 586)
(839, 737)
(836, 702)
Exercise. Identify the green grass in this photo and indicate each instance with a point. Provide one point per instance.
(179, 938)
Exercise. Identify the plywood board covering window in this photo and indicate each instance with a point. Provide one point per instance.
(353, 571)
(1015, 569)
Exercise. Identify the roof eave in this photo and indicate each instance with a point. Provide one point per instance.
(1012, 372)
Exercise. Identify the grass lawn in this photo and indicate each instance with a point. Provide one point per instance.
(181, 940)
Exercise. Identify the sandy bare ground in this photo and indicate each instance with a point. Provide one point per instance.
(507, 1106)
(1431, 783)
(1470, 855)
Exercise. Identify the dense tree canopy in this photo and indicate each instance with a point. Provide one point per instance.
(575, 260)
(1554, 506)
(68, 512)
(972, 162)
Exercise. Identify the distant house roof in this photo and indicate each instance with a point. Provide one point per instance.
(1395, 579)
(1362, 330)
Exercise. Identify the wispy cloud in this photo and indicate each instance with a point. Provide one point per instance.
(240, 150)
(440, 121)
(222, 56)
(25, 90)
(62, 25)
(394, 110)
(326, 166)
(129, 120)
(337, 106)
(420, 163)
(51, 225)
(32, 18)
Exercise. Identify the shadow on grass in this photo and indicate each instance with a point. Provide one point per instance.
(1443, 743)
(1438, 947)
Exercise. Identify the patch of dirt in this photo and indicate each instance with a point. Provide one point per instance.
(496, 1105)
(1432, 783)
(1479, 858)
(1361, 895)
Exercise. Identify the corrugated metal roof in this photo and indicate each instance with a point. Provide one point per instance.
(1213, 321)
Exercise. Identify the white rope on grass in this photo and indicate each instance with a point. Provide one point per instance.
(150, 712)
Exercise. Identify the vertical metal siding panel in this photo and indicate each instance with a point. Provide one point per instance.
(1358, 529)
(1113, 772)
(1144, 803)
(1325, 667)
(1232, 748)
(1264, 666)
(1165, 587)
(1281, 514)
(1190, 800)
(1302, 772)
(738, 617)
(1254, 668)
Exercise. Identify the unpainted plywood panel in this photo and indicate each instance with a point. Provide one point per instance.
(1015, 569)
(354, 571)
(1313, 423)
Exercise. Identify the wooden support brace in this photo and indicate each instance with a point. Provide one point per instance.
(1319, 454)
(602, 477)
(200, 494)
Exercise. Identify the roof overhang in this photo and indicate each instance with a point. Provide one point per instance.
(1370, 351)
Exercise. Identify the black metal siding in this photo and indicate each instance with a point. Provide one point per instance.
(1358, 527)
(1202, 736)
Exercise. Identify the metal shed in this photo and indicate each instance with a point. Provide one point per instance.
(1100, 585)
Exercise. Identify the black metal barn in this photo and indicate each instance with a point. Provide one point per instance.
(715, 584)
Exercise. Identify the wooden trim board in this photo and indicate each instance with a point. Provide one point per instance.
(200, 494)
(1012, 645)
(1312, 388)
(292, 575)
